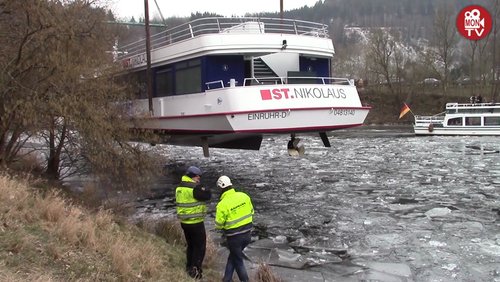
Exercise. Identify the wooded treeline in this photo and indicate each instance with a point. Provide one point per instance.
(415, 17)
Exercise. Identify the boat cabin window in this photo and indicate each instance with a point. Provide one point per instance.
(491, 121)
(301, 77)
(474, 121)
(164, 82)
(455, 121)
(188, 77)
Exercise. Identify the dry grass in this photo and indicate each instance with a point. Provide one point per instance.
(168, 229)
(46, 238)
(6, 274)
(211, 253)
(90, 195)
(265, 274)
(51, 207)
(171, 231)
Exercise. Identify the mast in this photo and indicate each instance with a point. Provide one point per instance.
(495, 65)
(149, 82)
(281, 10)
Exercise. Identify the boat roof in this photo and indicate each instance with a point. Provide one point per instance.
(451, 106)
(224, 25)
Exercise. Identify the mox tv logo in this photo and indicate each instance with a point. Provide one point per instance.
(474, 22)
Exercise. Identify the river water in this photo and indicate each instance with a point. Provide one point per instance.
(405, 208)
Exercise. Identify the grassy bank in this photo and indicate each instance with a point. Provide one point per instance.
(44, 237)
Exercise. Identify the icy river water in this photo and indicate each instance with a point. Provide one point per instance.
(404, 208)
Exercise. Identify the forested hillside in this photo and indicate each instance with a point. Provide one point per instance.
(415, 17)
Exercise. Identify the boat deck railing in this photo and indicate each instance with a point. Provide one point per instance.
(439, 118)
(280, 80)
(452, 106)
(217, 25)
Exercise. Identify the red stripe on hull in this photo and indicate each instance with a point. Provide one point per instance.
(259, 111)
(263, 131)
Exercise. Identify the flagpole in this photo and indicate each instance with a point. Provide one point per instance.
(149, 82)
(411, 112)
(410, 109)
(405, 110)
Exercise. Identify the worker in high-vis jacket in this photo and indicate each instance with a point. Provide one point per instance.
(190, 198)
(234, 216)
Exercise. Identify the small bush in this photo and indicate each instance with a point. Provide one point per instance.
(265, 274)
(168, 229)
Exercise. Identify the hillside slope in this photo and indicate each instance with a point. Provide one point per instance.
(43, 237)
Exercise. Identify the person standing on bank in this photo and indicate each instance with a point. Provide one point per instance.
(234, 216)
(190, 197)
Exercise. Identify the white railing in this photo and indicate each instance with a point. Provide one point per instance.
(282, 80)
(223, 25)
(429, 119)
(452, 106)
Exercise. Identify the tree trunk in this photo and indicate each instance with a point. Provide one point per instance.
(55, 149)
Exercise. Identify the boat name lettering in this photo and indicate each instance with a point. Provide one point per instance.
(268, 115)
(134, 61)
(126, 63)
(319, 93)
(343, 112)
(302, 93)
(276, 94)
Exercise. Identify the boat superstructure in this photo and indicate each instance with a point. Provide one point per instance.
(461, 119)
(224, 82)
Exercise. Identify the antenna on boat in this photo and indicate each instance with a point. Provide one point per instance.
(161, 15)
(281, 10)
(148, 57)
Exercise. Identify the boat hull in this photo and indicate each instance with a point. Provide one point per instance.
(254, 109)
(457, 131)
(224, 115)
(275, 121)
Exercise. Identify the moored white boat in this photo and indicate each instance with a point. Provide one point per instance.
(224, 82)
(461, 119)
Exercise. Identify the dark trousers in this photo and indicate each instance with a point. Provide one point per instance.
(236, 244)
(196, 240)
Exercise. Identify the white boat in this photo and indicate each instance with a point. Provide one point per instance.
(225, 82)
(461, 119)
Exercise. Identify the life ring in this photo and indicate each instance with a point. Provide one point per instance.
(431, 127)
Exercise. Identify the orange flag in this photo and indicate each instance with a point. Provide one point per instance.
(405, 109)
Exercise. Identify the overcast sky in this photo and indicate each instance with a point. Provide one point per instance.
(183, 8)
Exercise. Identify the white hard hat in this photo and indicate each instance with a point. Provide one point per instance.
(224, 182)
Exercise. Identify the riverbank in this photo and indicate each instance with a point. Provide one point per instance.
(44, 237)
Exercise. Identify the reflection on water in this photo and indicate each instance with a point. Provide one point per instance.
(429, 203)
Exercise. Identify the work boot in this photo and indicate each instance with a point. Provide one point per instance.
(195, 272)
